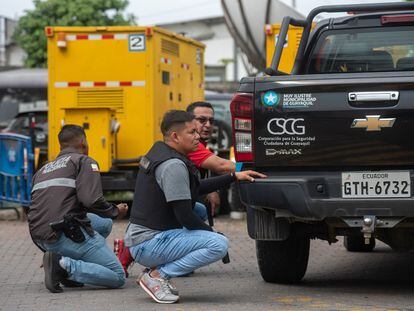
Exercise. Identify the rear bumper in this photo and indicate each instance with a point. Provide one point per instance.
(299, 195)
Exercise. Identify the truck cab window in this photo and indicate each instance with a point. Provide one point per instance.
(363, 50)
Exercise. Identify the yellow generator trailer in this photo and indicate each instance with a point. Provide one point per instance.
(117, 83)
(289, 49)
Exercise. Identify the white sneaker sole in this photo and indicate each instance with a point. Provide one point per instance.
(152, 295)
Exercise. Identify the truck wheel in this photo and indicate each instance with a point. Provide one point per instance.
(356, 243)
(283, 261)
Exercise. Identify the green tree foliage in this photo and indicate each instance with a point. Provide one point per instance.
(30, 33)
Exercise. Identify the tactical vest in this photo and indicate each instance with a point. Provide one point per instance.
(150, 208)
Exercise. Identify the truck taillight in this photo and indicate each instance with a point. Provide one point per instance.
(242, 120)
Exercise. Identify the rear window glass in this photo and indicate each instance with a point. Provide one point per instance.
(21, 123)
(364, 50)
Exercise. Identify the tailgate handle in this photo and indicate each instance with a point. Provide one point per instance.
(373, 96)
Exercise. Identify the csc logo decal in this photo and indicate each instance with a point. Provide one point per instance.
(280, 126)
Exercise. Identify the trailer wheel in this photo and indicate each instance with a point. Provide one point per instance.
(283, 261)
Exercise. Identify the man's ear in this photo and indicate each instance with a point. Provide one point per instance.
(175, 137)
(82, 143)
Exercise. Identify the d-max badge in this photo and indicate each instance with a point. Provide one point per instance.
(373, 123)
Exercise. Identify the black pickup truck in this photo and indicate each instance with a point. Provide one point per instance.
(335, 137)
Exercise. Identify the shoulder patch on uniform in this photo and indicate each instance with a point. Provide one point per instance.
(144, 162)
(95, 167)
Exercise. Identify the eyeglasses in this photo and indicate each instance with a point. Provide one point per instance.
(203, 120)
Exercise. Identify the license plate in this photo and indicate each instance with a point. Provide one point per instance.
(382, 184)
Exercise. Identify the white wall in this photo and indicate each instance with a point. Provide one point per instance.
(15, 56)
(220, 47)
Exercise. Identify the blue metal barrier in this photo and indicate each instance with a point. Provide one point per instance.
(16, 169)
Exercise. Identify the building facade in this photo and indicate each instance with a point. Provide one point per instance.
(11, 55)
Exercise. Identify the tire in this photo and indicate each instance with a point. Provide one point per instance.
(356, 243)
(283, 261)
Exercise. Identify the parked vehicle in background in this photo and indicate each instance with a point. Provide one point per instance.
(31, 121)
(221, 137)
(334, 138)
(290, 48)
(117, 83)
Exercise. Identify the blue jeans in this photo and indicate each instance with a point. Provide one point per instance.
(92, 261)
(201, 210)
(180, 251)
(101, 225)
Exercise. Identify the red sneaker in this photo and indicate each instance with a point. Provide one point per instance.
(122, 252)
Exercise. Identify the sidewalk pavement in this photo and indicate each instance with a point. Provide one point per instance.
(22, 288)
(335, 280)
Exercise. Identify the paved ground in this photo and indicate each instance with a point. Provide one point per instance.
(336, 280)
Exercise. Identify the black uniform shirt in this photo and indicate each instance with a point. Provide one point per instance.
(69, 185)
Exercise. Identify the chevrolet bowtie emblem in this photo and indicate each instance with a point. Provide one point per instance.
(373, 123)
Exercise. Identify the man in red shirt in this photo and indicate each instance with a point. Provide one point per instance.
(203, 158)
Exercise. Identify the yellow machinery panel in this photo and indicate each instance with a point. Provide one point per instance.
(136, 73)
(98, 126)
(290, 48)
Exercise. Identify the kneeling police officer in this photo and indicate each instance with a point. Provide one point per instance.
(70, 219)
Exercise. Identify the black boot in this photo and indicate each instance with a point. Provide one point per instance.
(54, 273)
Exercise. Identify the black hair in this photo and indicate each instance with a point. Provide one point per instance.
(191, 107)
(69, 134)
(173, 119)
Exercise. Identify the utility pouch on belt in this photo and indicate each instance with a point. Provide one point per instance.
(70, 228)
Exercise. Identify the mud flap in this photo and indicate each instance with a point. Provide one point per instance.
(263, 225)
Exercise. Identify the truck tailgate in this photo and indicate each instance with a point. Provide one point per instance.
(327, 120)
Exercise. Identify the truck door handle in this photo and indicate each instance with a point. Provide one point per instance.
(373, 96)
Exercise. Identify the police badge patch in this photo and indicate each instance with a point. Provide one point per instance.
(94, 167)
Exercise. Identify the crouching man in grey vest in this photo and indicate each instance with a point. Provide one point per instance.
(70, 219)
(164, 234)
